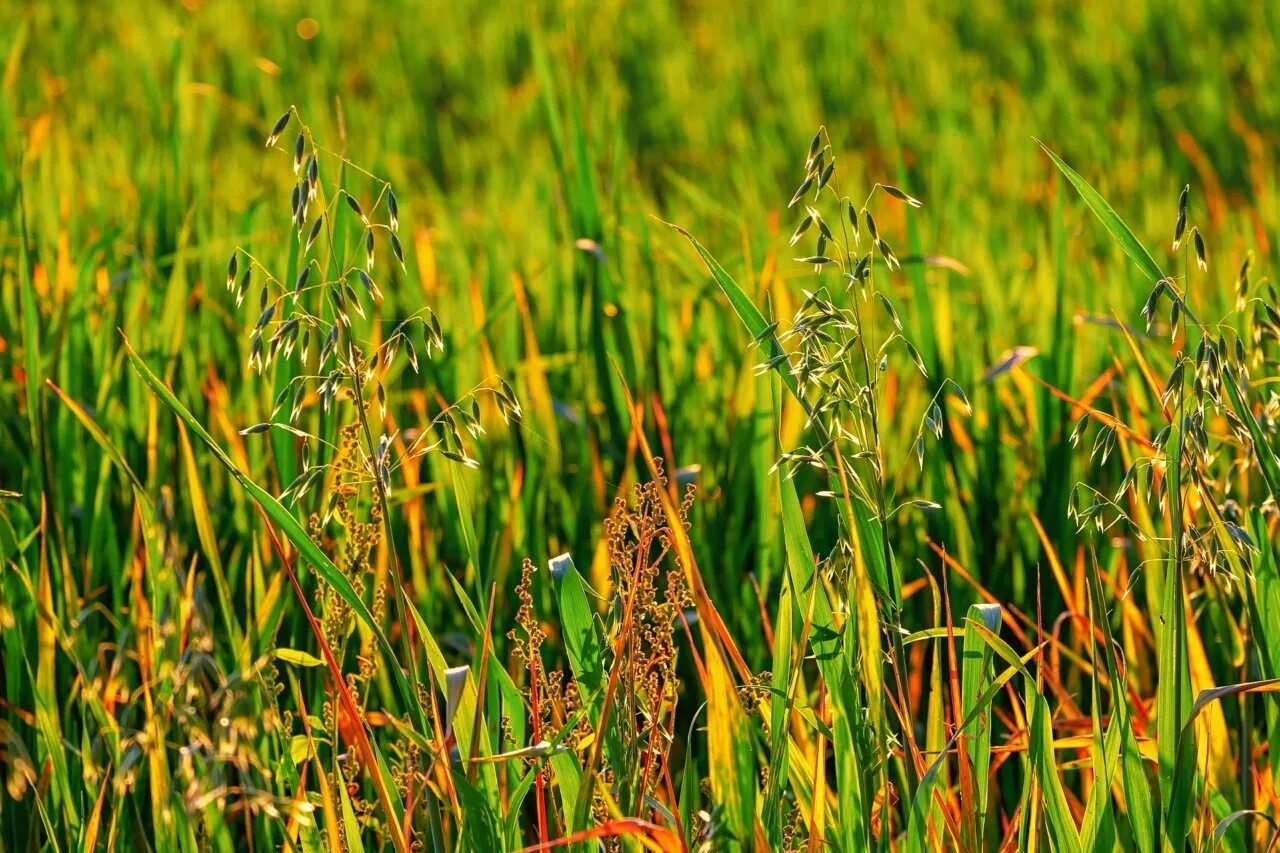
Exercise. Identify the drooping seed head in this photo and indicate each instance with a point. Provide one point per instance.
(355, 207)
(278, 128)
(314, 233)
(1242, 281)
(369, 285)
(801, 228)
(901, 196)
(814, 146)
(799, 194)
(826, 175)
(396, 250)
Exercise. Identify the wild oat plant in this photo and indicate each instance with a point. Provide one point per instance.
(1190, 494)
(322, 338)
(836, 351)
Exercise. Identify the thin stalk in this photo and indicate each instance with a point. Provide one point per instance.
(379, 489)
(898, 662)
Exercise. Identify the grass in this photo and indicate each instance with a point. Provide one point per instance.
(1015, 589)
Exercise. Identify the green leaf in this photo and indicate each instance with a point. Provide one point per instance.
(480, 825)
(975, 671)
(1062, 828)
(917, 827)
(744, 308)
(585, 648)
(1137, 791)
(350, 826)
(582, 640)
(1110, 219)
(297, 658)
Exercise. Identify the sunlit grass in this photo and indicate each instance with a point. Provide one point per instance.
(937, 605)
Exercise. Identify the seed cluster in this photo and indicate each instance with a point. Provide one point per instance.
(641, 558)
(1193, 463)
(316, 305)
(837, 347)
(321, 328)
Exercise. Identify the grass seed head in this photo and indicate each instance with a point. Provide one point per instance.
(278, 128)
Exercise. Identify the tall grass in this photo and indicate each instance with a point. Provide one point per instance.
(680, 564)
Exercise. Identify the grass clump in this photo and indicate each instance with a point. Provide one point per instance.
(885, 502)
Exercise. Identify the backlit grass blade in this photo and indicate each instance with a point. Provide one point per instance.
(1214, 694)
(935, 724)
(849, 717)
(472, 728)
(1137, 790)
(1097, 828)
(730, 749)
(1110, 219)
(584, 646)
(209, 541)
(46, 720)
(746, 310)
(1097, 831)
(1264, 604)
(31, 339)
(351, 827)
(784, 641)
(583, 643)
(975, 670)
(1062, 829)
(919, 834)
(481, 827)
(1173, 705)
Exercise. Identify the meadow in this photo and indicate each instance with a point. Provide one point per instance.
(670, 426)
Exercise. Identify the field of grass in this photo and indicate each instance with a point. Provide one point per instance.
(666, 476)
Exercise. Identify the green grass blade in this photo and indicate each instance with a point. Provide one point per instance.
(1110, 219)
(975, 671)
(582, 640)
(746, 310)
(918, 832)
(585, 648)
(1062, 828)
(784, 641)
